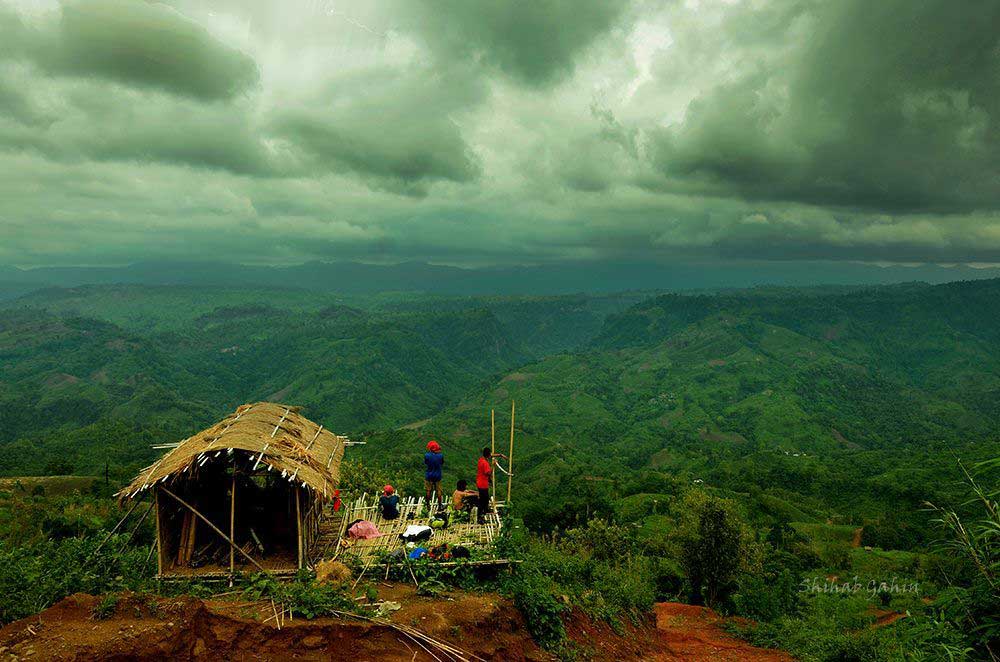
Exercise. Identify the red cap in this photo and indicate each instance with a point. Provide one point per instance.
(433, 446)
(388, 489)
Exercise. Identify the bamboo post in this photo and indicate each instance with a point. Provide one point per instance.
(159, 535)
(298, 524)
(139, 523)
(232, 526)
(510, 457)
(189, 552)
(493, 450)
(135, 504)
(214, 528)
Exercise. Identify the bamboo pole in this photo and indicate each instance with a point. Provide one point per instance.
(214, 528)
(135, 505)
(493, 451)
(510, 456)
(298, 524)
(189, 552)
(232, 526)
(139, 523)
(159, 535)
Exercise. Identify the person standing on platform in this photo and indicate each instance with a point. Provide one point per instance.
(434, 461)
(484, 479)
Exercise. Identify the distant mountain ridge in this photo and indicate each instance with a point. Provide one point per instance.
(562, 278)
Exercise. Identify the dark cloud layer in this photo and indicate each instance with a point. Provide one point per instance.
(892, 106)
(394, 127)
(144, 43)
(535, 42)
(488, 132)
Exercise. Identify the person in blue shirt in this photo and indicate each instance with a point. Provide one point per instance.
(389, 503)
(434, 461)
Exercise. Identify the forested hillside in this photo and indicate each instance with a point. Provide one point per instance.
(98, 363)
(845, 404)
(799, 432)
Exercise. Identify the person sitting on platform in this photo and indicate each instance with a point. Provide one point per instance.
(463, 498)
(388, 503)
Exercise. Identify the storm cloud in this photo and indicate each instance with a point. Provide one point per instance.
(888, 106)
(497, 132)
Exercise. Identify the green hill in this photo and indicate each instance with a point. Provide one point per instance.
(819, 396)
(162, 360)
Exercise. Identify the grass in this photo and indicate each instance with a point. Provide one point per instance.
(52, 485)
(818, 532)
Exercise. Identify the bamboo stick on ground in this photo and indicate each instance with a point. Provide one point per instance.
(417, 636)
(275, 614)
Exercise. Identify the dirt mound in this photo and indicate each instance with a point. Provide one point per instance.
(332, 572)
(188, 628)
(688, 632)
(484, 624)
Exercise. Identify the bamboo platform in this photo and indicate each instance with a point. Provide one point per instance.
(468, 534)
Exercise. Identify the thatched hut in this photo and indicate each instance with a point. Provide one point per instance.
(245, 494)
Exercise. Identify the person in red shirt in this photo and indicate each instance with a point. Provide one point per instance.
(484, 478)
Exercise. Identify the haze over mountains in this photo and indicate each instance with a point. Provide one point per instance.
(555, 278)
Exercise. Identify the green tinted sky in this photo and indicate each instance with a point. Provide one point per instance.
(475, 132)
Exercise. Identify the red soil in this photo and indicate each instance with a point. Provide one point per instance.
(884, 617)
(483, 624)
(688, 632)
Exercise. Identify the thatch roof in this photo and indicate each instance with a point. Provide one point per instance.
(274, 433)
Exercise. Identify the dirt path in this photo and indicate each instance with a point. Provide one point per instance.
(693, 633)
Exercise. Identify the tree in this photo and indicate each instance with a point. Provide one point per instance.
(715, 545)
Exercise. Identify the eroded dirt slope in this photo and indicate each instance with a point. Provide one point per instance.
(483, 624)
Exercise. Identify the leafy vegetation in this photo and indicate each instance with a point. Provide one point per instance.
(769, 453)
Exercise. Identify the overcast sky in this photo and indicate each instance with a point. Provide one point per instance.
(485, 131)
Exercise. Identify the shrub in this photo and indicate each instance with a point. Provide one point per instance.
(34, 576)
(766, 598)
(535, 597)
(836, 555)
(598, 567)
(600, 540)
